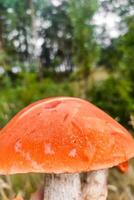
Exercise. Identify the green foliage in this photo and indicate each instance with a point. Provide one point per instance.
(84, 44)
(126, 46)
(111, 55)
(114, 96)
(57, 45)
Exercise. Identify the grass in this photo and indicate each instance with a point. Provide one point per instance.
(121, 185)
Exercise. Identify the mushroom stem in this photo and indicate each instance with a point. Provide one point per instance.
(95, 187)
(62, 187)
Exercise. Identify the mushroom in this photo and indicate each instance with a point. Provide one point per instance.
(62, 137)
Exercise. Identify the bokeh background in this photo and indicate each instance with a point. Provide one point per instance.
(82, 48)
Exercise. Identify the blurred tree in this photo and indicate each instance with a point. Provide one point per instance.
(112, 52)
(122, 8)
(66, 33)
(69, 37)
(15, 28)
(56, 30)
(2, 14)
(85, 49)
(127, 46)
(111, 55)
(119, 57)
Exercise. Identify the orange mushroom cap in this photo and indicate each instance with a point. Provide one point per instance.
(63, 134)
(123, 167)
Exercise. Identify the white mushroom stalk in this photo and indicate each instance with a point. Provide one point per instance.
(68, 186)
(62, 187)
(95, 187)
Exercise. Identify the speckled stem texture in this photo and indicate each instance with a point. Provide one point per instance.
(95, 187)
(62, 187)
